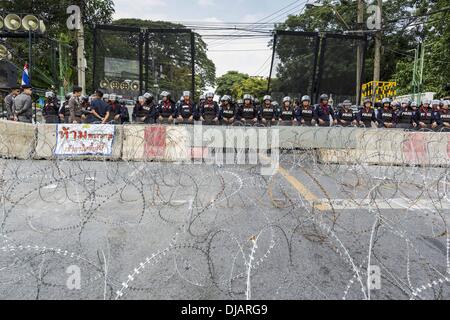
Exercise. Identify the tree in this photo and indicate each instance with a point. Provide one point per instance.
(405, 24)
(45, 55)
(226, 82)
(237, 84)
(169, 53)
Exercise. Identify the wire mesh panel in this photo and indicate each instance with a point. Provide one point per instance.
(338, 67)
(169, 60)
(118, 60)
(294, 64)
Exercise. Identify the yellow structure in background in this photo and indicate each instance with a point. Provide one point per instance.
(378, 90)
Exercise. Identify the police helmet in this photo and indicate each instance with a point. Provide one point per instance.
(202, 97)
(148, 96)
(347, 103)
(165, 94)
(275, 104)
(426, 101)
(306, 98)
(386, 101)
(287, 99)
(435, 102)
(367, 100)
(413, 104)
(49, 94)
(226, 98)
(324, 97)
(256, 101)
(187, 94)
(248, 97)
(209, 95)
(406, 101)
(267, 97)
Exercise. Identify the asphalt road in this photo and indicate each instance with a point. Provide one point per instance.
(107, 230)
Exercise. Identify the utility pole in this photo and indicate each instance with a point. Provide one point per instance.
(360, 52)
(81, 60)
(378, 36)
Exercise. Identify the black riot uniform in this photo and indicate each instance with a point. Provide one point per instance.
(227, 113)
(387, 117)
(305, 113)
(166, 110)
(445, 117)
(51, 109)
(64, 110)
(423, 116)
(345, 115)
(268, 113)
(187, 110)
(209, 110)
(248, 113)
(406, 116)
(366, 115)
(147, 112)
(287, 115)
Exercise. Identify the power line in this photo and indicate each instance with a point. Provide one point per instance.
(276, 13)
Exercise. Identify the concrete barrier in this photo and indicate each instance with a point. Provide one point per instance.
(47, 139)
(156, 143)
(390, 147)
(17, 140)
(183, 143)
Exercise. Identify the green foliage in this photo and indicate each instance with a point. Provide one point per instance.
(169, 51)
(237, 84)
(45, 58)
(402, 31)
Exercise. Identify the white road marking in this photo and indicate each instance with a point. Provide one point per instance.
(387, 204)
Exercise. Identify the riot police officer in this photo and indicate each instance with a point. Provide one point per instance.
(227, 111)
(248, 113)
(345, 116)
(406, 115)
(268, 112)
(387, 117)
(324, 112)
(209, 110)
(148, 111)
(64, 112)
(187, 109)
(51, 108)
(287, 115)
(423, 115)
(306, 112)
(201, 99)
(435, 114)
(166, 111)
(445, 116)
(366, 116)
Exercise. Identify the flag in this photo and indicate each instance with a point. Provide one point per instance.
(25, 75)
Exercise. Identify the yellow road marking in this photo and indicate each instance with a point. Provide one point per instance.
(302, 190)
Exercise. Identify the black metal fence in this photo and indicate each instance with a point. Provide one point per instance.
(309, 63)
(129, 61)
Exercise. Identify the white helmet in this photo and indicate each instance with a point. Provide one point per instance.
(287, 99)
(306, 98)
(49, 94)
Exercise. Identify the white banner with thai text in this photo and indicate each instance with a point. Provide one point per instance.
(84, 139)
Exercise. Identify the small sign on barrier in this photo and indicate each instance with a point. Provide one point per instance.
(84, 139)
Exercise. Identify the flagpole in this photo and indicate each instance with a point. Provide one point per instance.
(30, 52)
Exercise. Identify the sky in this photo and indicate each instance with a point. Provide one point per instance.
(251, 56)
